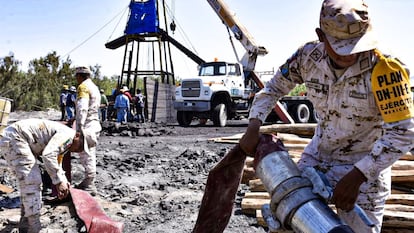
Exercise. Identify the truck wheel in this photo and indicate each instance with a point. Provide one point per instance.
(220, 115)
(184, 118)
(302, 113)
(315, 117)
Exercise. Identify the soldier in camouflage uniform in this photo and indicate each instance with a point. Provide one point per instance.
(87, 123)
(358, 137)
(23, 143)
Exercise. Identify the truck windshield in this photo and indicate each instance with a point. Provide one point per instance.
(215, 69)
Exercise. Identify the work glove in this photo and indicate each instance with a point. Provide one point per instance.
(319, 182)
(322, 187)
(272, 223)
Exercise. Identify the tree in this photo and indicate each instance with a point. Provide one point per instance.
(39, 88)
(9, 68)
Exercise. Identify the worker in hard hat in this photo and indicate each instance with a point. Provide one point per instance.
(23, 144)
(88, 125)
(365, 109)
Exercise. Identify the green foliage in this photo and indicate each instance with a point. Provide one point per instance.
(39, 88)
(298, 90)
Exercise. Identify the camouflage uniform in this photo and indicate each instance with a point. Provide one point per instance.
(87, 122)
(22, 143)
(351, 131)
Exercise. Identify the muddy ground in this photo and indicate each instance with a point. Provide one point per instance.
(150, 177)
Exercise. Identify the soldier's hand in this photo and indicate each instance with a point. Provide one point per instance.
(250, 139)
(347, 190)
(62, 190)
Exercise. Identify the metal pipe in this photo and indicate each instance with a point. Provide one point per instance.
(293, 203)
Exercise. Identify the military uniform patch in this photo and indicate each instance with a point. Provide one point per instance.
(391, 88)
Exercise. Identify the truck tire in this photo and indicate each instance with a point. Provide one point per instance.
(220, 115)
(184, 118)
(303, 113)
(315, 118)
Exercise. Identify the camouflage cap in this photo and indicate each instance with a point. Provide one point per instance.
(347, 26)
(82, 70)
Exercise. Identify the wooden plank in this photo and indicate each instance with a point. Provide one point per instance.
(399, 216)
(298, 129)
(259, 218)
(405, 199)
(293, 138)
(257, 195)
(248, 174)
(249, 205)
(290, 147)
(403, 165)
(407, 156)
(256, 185)
(5, 189)
(402, 176)
(386, 229)
(401, 208)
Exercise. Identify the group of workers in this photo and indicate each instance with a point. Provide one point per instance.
(357, 139)
(128, 108)
(123, 103)
(67, 100)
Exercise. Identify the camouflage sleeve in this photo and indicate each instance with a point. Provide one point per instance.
(82, 105)
(285, 79)
(58, 144)
(397, 140)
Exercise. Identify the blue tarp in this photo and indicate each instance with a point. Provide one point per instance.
(143, 18)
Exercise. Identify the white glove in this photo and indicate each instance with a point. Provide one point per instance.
(319, 187)
(272, 223)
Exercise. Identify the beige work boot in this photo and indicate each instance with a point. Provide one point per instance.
(88, 184)
(34, 224)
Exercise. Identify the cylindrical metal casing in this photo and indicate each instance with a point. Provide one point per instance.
(293, 203)
(316, 217)
(275, 168)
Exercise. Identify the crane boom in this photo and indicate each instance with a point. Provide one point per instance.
(240, 33)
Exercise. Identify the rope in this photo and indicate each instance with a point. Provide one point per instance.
(181, 30)
(87, 39)
(118, 23)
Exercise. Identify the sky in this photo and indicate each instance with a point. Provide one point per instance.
(79, 29)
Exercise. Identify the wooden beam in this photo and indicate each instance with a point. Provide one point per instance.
(5, 189)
